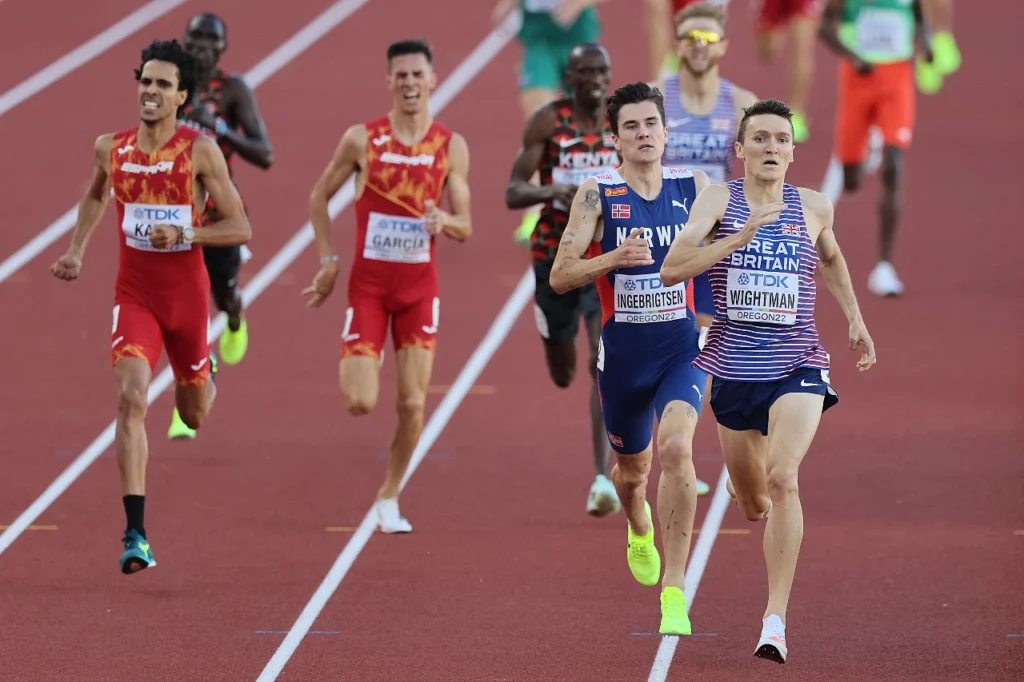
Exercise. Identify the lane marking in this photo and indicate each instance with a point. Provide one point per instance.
(477, 389)
(479, 58)
(832, 186)
(3, 527)
(256, 76)
(315, 30)
(86, 52)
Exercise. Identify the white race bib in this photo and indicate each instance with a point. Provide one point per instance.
(642, 299)
(762, 297)
(573, 176)
(882, 32)
(398, 239)
(139, 219)
(541, 6)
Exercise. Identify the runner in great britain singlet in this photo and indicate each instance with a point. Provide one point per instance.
(649, 338)
(763, 342)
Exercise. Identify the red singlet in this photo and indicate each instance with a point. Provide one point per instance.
(394, 273)
(161, 296)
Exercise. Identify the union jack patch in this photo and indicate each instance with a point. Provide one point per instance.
(790, 229)
(620, 211)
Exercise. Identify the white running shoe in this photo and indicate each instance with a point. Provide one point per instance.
(883, 280)
(772, 645)
(603, 499)
(389, 519)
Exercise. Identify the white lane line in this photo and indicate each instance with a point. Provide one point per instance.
(281, 260)
(832, 186)
(467, 70)
(86, 52)
(258, 74)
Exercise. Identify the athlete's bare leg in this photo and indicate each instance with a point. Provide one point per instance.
(801, 66)
(415, 366)
(891, 199)
(598, 433)
(133, 376)
(792, 423)
(359, 379)
(745, 454)
(194, 402)
(630, 478)
(677, 487)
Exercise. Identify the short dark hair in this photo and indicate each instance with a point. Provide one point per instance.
(764, 106)
(403, 47)
(633, 93)
(172, 51)
(702, 10)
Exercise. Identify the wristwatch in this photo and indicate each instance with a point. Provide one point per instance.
(188, 234)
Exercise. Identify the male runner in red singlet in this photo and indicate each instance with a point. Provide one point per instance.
(403, 162)
(224, 107)
(160, 173)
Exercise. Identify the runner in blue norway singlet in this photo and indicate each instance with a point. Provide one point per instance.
(648, 337)
(763, 342)
(701, 143)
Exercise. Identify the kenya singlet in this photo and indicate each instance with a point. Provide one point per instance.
(393, 249)
(154, 189)
(569, 158)
(639, 313)
(700, 142)
(764, 293)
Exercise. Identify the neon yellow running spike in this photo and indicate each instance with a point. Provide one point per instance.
(525, 230)
(674, 619)
(642, 554)
(929, 79)
(179, 429)
(234, 344)
(946, 55)
(801, 131)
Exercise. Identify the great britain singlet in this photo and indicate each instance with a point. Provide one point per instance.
(764, 293)
(639, 313)
(700, 142)
(570, 157)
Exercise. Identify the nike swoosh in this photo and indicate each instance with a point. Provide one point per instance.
(569, 143)
(803, 382)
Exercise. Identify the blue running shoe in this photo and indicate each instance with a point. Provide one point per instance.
(137, 554)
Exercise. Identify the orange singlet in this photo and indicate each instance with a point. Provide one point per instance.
(161, 296)
(394, 273)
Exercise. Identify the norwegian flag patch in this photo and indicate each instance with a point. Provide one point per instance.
(620, 211)
(615, 440)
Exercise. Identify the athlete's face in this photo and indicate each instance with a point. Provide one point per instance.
(589, 75)
(159, 96)
(410, 79)
(700, 44)
(205, 40)
(767, 147)
(642, 133)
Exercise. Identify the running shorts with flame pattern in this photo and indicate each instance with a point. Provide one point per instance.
(144, 325)
(413, 314)
(773, 14)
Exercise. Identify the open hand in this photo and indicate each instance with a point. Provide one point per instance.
(861, 340)
(322, 286)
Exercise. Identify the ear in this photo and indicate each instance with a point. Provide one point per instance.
(738, 147)
(182, 96)
(433, 79)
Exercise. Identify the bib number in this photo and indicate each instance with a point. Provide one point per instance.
(643, 299)
(396, 239)
(139, 220)
(762, 297)
(882, 32)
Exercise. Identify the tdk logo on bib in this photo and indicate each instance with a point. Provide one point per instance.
(645, 298)
(398, 239)
(159, 214)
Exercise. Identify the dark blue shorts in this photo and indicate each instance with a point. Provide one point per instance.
(633, 392)
(744, 405)
(703, 299)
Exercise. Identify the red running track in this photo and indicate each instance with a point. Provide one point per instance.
(910, 568)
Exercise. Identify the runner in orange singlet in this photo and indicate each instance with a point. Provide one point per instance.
(403, 162)
(160, 173)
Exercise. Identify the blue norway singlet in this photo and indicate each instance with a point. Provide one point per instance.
(763, 327)
(638, 311)
(700, 142)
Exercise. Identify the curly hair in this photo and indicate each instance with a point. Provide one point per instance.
(173, 52)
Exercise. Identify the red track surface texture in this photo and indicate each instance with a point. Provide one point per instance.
(910, 568)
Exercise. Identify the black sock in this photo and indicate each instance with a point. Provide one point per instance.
(135, 511)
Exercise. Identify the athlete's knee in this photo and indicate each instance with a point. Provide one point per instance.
(562, 364)
(411, 407)
(193, 416)
(782, 483)
(675, 452)
(358, 405)
(131, 401)
(852, 176)
(755, 506)
(631, 470)
(892, 167)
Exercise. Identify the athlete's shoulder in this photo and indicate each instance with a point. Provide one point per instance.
(817, 203)
(608, 177)
(675, 173)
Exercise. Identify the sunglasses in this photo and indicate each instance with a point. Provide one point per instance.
(698, 36)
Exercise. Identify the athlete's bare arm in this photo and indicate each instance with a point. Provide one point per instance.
(819, 215)
(457, 224)
(253, 143)
(570, 269)
(212, 171)
(90, 211)
(922, 32)
(659, 31)
(520, 192)
(686, 258)
(349, 157)
(829, 33)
